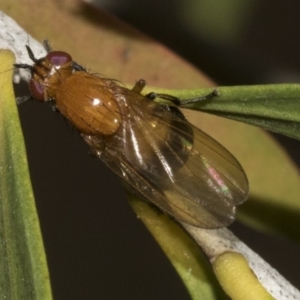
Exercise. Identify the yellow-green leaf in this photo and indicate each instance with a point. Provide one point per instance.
(190, 263)
(24, 273)
(237, 278)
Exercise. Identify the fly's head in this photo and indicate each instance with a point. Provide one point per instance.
(47, 73)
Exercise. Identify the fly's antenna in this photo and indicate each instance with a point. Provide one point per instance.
(23, 66)
(47, 46)
(30, 54)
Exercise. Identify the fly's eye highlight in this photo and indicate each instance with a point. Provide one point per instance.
(58, 58)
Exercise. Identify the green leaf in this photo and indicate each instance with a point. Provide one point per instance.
(23, 269)
(274, 107)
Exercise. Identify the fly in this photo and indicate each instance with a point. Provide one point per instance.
(152, 147)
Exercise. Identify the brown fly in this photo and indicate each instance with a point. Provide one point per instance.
(152, 147)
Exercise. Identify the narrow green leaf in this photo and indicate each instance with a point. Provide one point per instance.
(23, 269)
(274, 107)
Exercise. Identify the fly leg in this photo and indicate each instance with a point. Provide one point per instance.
(173, 99)
(178, 102)
(139, 85)
(211, 95)
(174, 110)
(20, 100)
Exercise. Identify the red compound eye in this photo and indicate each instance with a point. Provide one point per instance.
(36, 90)
(58, 58)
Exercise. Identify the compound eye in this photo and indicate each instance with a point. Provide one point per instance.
(36, 90)
(58, 58)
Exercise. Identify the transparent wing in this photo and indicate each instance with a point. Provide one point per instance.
(174, 164)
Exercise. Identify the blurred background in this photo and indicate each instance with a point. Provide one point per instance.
(97, 248)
